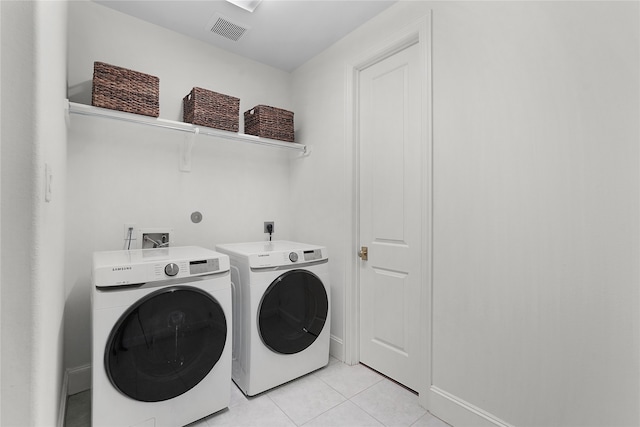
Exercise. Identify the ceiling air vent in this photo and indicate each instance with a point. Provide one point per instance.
(224, 27)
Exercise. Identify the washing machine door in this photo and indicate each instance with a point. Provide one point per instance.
(292, 312)
(165, 344)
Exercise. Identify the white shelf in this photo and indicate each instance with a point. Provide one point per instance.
(88, 110)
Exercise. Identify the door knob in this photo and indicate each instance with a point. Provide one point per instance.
(364, 253)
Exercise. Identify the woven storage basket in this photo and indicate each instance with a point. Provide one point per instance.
(207, 108)
(269, 122)
(122, 89)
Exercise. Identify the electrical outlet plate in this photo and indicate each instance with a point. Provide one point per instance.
(273, 227)
(134, 231)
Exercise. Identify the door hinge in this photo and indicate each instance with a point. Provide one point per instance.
(364, 253)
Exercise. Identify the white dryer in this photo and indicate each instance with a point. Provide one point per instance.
(161, 344)
(281, 310)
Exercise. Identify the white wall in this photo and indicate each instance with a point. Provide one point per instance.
(121, 173)
(17, 199)
(48, 248)
(33, 134)
(536, 147)
(0, 209)
(536, 204)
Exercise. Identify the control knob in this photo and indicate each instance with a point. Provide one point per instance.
(171, 269)
(293, 256)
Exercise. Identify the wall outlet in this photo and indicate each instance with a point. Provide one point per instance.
(134, 231)
(266, 226)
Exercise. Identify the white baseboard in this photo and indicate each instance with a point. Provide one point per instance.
(64, 392)
(73, 381)
(79, 379)
(460, 413)
(336, 348)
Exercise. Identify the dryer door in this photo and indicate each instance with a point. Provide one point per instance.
(165, 344)
(293, 312)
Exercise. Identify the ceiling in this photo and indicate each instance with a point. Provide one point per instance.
(281, 33)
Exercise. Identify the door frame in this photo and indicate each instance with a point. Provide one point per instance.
(418, 32)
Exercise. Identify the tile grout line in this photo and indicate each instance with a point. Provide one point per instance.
(349, 399)
(281, 410)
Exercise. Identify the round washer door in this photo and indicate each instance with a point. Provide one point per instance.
(165, 344)
(292, 312)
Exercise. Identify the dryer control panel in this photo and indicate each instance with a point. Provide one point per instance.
(285, 258)
(312, 255)
(279, 253)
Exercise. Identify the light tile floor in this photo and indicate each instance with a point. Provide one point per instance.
(336, 395)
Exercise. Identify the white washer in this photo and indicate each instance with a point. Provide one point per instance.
(161, 347)
(281, 316)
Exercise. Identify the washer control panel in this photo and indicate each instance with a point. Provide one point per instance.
(118, 268)
(204, 266)
(171, 269)
(179, 269)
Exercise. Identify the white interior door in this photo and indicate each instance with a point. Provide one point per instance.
(390, 158)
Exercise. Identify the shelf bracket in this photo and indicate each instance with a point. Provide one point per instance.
(186, 149)
(306, 152)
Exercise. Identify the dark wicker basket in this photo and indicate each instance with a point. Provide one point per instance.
(122, 89)
(215, 110)
(269, 122)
